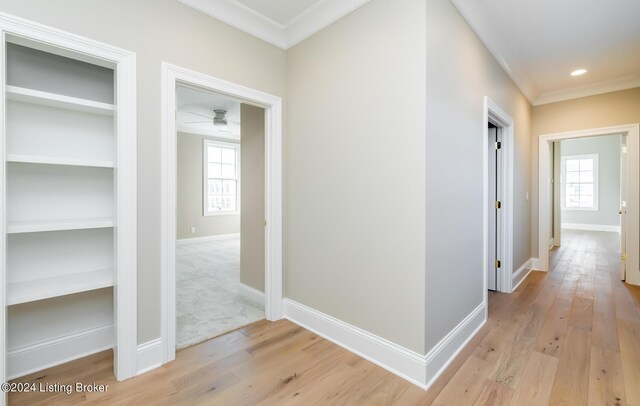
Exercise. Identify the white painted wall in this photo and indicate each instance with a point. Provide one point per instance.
(355, 184)
(460, 73)
(608, 150)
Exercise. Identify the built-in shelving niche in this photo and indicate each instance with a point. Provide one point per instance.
(60, 165)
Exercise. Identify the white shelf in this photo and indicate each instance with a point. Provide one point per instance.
(45, 160)
(31, 291)
(17, 227)
(57, 100)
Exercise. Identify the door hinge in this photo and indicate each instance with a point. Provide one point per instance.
(497, 264)
(498, 145)
(498, 204)
(624, 257)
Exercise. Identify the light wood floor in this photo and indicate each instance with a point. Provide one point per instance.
(568, 337)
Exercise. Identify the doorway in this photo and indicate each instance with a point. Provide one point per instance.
(498, 193)
(271, 221)
(572, 175)
(495, 205)
(220, 215)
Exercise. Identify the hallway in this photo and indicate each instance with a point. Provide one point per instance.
(569, 337)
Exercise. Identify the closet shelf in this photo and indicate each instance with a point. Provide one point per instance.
(45, 160)
(30, 291)
(17, 227)
(57, 100)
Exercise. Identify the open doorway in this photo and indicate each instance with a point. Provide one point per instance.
(495, 205)
(271, 218)
(588, 185)
(498, 193)
(220, 215)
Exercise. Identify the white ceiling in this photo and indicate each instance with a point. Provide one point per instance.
(281, 12)
(540, 42)
(193, 104)
(283, 23)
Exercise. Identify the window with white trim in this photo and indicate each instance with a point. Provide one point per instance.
(580, 182)
(221, 177)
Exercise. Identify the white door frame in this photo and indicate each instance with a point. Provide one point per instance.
(171, 76)
(497, 116)
(633, 227)
(125, 221)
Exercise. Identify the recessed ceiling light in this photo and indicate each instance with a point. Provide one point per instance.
(578, 72)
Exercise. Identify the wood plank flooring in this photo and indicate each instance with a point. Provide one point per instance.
(567, 337)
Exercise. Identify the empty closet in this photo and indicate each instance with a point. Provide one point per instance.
(69, 266)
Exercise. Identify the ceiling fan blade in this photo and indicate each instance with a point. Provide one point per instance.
(201, 115)
(197, 122)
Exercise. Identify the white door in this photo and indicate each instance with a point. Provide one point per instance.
(623, 207)
(493, 254)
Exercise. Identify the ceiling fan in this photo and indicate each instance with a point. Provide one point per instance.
(219, 119)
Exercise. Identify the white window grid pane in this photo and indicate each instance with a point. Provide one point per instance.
(580, 183)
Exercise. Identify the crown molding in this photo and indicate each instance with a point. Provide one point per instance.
(627, 82)
(487, 29)
(285, 36)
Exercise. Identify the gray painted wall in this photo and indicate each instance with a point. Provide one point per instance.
(608, 150)
(252, 197)
(355, 170)
(160, 30)
(460, 72)
(190, 189)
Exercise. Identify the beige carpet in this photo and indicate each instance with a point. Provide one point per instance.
(208, 301)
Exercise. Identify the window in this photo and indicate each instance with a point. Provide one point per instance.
(580, 182)
(221, 177)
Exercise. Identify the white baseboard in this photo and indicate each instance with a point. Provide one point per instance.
(591, 227)
(149, 356)
(535, 264)
(421, 370)
(522, 273)
(208, 238)
(251, 294)
(440, 356)
(36, 357)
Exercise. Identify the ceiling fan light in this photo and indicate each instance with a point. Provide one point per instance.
(220, 120)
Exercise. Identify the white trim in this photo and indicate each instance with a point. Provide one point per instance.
(149, 356)
(46, 354)
(171, 76)
(535, 264)
(124, 63)
(632, 214)
(440, 356)
(596, 181)
(614, 85)
(521, 274)
(396, 359)
(310, 21)
(186, 241)
(251, 294)
(421, 370)
(493, 113)
(481, 20)
(591, 227)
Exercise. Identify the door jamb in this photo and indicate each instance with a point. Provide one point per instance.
(171, 76)
(497, 116)
(633, 198)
